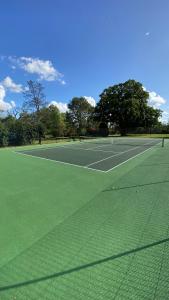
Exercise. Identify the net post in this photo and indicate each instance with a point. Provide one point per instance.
(163, 142)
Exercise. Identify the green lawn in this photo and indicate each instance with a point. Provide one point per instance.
(61, 228)
(152, 135)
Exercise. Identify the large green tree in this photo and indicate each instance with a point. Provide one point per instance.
(79, 114)
(126, 106)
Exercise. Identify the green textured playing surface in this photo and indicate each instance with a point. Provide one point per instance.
(100, 154)
(74, 233)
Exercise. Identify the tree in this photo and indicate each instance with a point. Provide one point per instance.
(62, 124)
(70, 127)
(3, 135)
(15, 131)
(28, 125)
(79, 113)
(125, 105)
(151, 117)
(53, 120)
(34, 101)
(15, 111)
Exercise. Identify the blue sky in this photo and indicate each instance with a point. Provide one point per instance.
(78, 48)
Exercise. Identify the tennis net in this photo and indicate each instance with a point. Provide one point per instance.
(145, 142)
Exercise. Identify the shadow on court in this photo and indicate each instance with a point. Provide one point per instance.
(134, 186)
(82, 267)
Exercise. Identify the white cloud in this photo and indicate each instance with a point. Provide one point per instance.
(43, 68)
(155, 99)
(9, 84)
(4, 106)
(165, 117)
(63, 107)
(60, 105)
(2, 92)
(90, 100)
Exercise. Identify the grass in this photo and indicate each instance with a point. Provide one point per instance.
(55, 218)
(152, 135)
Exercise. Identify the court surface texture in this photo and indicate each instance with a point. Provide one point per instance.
(97, 154)
(85, 221)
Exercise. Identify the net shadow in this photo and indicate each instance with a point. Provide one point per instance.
(82, 267)
(111, 189)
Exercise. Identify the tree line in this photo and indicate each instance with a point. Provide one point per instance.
(121, 108)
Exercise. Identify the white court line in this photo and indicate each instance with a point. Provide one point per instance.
(69, 148)
(105, 145)
(120, 153)
(61, 162)
(132, 158)
(88, 149)
(112, 144)
(91, 149)
(87, 166)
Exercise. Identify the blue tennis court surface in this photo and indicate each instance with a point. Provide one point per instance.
(96, 154)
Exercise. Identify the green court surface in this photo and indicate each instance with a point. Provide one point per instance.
(69, 232)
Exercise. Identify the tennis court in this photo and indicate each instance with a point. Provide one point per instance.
(67, 232)
(101, 154)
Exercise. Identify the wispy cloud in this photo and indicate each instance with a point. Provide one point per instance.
(10, 85)
(2, 57)
(44, 69)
